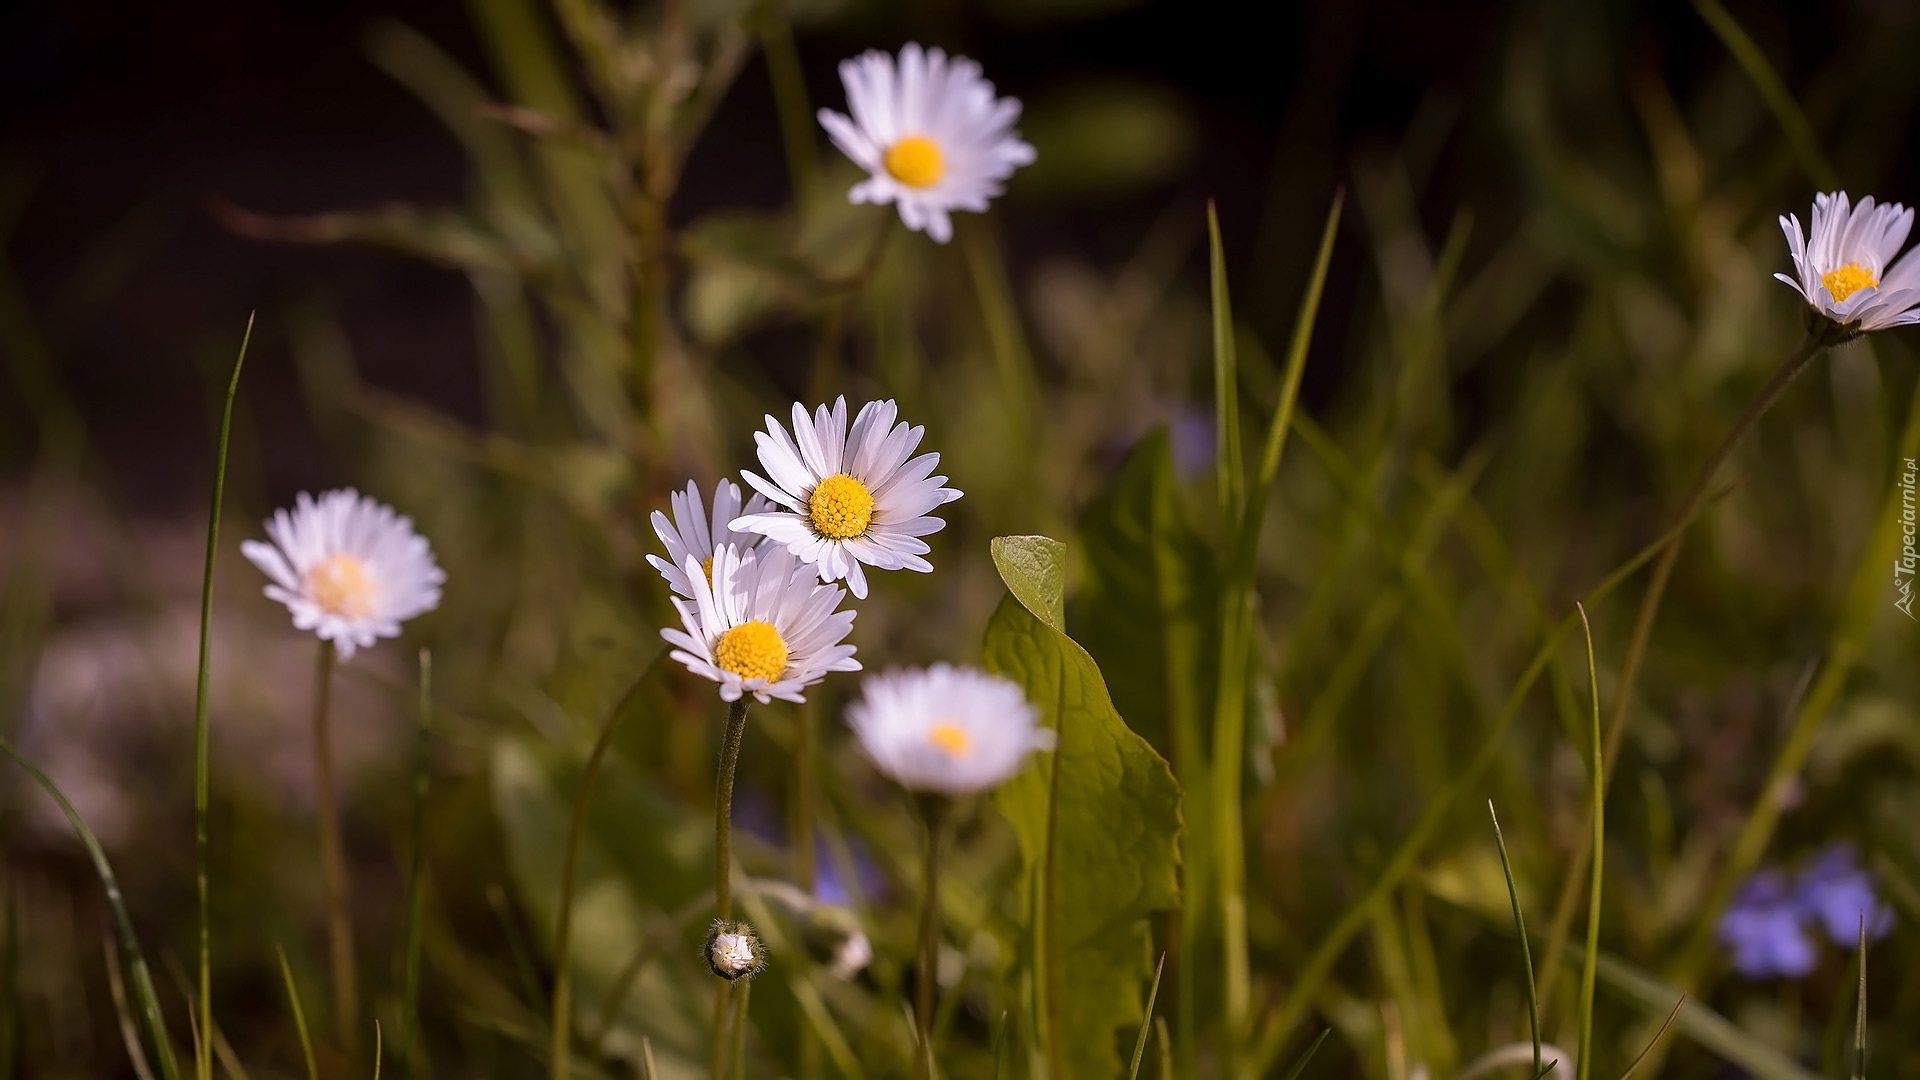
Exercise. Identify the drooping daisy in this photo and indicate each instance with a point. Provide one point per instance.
(850, 497)
(946, 730)
(765, 625)
(930, 133)
(1847, 268)
(692, 531)
(347, 567)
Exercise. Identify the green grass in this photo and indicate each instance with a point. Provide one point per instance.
(1522, 353)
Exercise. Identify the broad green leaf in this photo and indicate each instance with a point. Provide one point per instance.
(1098, 824)
(1035, 570)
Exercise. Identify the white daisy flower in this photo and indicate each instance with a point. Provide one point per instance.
(851, 497)
(930, 133)
(1847, 267)
(952, 731)
(692, 531)
(764, 626)
(348, 568)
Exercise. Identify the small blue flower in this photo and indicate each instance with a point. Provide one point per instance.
(1765, 929)
(1834, 891)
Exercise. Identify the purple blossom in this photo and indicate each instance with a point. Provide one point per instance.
(1834, 891)
(1766, 929)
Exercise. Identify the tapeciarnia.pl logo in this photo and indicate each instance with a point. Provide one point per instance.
(1908, 561)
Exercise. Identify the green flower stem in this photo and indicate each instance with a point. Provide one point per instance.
(933, 813)
(1810, 347)
(723, 866)
(333, 864)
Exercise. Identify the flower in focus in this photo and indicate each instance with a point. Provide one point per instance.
(1846, 267)
(348, 568)
(930, 134)
(1834, 891)
(946, 730)
(693, 531)
(849, 497)
(764, 625)
(1765, 929)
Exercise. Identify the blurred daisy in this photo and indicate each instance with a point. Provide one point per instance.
(947, 730)
(1765, 929)
(1847, 268)
(850, 497)
(692, 531)
(765, 625)
(930, 134)
(348, 568)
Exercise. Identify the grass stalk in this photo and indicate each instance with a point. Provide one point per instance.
(137, 971)
(1691, 505)
(299, 1015)
(203, 1060)
(560, 1046)
(1146, 1020)
(1520, 931)
(1592, 967)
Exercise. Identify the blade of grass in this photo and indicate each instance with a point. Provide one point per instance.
(299, 1014)
(129, 1031)
(1293, 1007)
(1700, 1023)
(203, 1057)
(1520, 931)
(411, 1043)
(1300, 1066)
(142, 979)
(1228, 470)
(1599, 854)
(646, 1059)
(1860, 1014)
(1146, 1021)
(1848, 642)
(1644, 617)
(1648, 1049)
(562, 1021)
(1793, 122)
(376, 1049)
(1165, 1038)
(1243, 515)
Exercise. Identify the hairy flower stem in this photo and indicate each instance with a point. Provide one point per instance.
(1690, 507)
(933, 813)
(333, 865)
(723, 866)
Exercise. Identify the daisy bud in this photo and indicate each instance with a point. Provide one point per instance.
(734, 951)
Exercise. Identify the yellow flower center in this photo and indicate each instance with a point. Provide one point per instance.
(840, 507)
(915, 161)
(341, 586)
(1847, 280)
(950, 739)
(752, 650)
(707, 565)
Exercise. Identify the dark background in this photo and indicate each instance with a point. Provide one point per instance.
(119, 123)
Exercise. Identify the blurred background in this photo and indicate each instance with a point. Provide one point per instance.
(490, 290)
